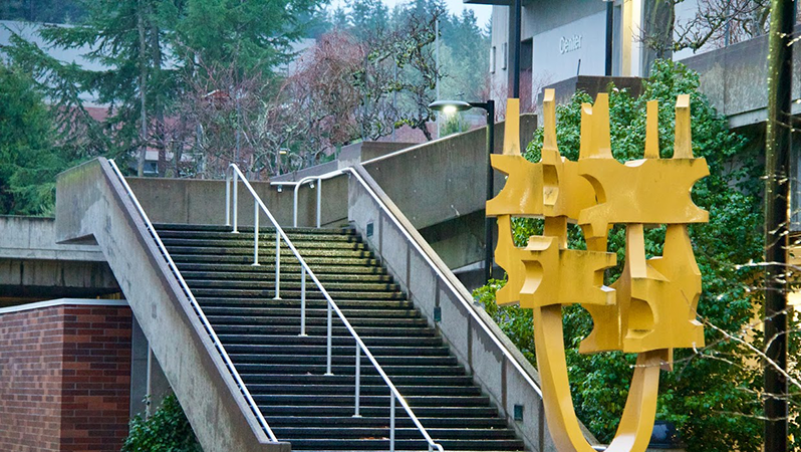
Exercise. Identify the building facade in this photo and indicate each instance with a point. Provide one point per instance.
(564, 39)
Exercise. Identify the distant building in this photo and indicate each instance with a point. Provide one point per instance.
(567, 38)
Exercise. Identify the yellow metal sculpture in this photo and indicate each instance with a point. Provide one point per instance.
(650, 309)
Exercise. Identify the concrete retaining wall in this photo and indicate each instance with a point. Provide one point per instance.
(196, 201)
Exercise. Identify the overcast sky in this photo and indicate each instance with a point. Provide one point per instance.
(483, 12)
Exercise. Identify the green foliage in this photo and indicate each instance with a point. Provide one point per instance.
(711, 393)
(29, 158)
(166, 430)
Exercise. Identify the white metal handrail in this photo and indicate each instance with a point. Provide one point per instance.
(196, 306)
(310, 180)
(231, 194)
(440, 274)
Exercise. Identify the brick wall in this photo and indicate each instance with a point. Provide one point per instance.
(31, 350)
(65, 378)
(96, 378)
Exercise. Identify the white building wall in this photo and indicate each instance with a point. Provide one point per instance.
(557, 52)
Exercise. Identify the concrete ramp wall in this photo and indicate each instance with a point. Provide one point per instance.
(494, 361)
(93, 206)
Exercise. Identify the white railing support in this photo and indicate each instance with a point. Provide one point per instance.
(235, 189)
(391, 422)
(227, 199)
(277, 265)
(319, 201)
(255, 234)
(358, 378)
(302, 302)
(328, 343)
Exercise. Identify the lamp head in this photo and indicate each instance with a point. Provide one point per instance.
(449, 106)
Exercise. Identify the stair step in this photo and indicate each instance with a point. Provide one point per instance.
(290, 433)
(400, 422)
(345, 360)
(311, 303)
(185, 228)
(370, 400)
(295, 312)
(246, 242)
(313, 369)
(292, 285)
(313, 294)
(287, 268)
(322, 331)
(320, 339)
(371, 380)
(247, 259)
(300, 410)
(256, 320)
(285, 276)
(404, 444)
(324, 389)
(336, 350)
(267, 252)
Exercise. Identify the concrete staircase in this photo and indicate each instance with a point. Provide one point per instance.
(285, 372)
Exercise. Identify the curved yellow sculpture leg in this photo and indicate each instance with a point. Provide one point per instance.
(633, 433)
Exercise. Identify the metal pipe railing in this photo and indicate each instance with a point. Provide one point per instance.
(310, 179)
(395, 395)
(410, 239)
(195, 305)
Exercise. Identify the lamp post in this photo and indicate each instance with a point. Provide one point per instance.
(453, 106)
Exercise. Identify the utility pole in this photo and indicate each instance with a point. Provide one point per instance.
(777, 184)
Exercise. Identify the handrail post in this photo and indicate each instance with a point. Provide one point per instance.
(277, 265)
(228, 198)
(255, 233)
(319, 200)
(235, 188)
(358, 377)
(295, 206)
(303, 301)
(391, 422)
(328, 343)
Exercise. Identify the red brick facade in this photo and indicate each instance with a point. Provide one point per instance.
(65, 378)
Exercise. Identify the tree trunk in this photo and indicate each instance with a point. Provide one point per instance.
(140, 168)
(158, 106)
(777, 184)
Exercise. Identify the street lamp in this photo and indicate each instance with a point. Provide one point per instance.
(453, 106)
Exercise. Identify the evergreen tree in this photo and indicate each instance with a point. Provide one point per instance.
(369, 19)
(29, 158)
(256, 34)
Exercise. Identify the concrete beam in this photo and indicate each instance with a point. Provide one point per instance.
(91, 202)
(35, 238)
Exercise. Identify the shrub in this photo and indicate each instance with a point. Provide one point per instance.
(166, 430)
